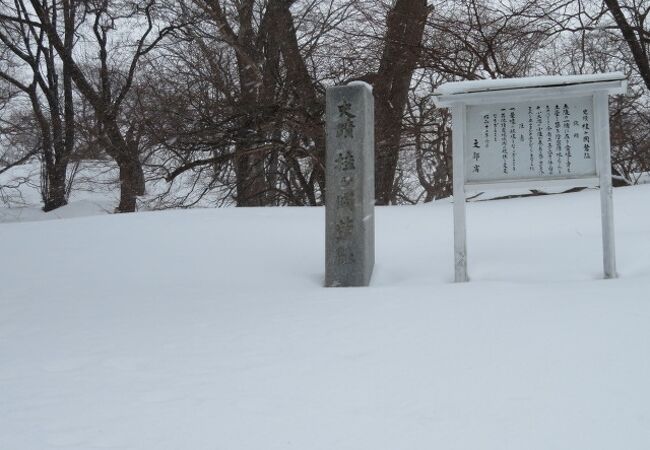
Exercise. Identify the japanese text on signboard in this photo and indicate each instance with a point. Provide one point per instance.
(535, 140)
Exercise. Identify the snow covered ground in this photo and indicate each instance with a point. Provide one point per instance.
(208, 329)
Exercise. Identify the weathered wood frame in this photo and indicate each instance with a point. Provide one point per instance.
(599, 92)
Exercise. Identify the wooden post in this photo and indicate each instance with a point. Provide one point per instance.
(460, 234)
(601, 125)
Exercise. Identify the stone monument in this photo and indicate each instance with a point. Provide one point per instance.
(350, 184)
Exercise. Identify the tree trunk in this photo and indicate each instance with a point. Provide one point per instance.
(249, 162)
(312, 105)
(132, 183)
(55, 195)
(251, 181)
(405, 28)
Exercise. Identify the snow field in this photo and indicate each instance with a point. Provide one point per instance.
(209, 329)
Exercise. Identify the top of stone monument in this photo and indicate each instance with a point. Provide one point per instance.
(483, 86)
(360, 83)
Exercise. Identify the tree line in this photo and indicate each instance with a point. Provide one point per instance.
(227, 96)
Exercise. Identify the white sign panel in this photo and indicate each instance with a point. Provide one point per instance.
(530, 141)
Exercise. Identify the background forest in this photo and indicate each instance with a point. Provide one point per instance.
(174, 103)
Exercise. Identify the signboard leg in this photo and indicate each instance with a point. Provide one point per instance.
(460, 233)
(601, 124)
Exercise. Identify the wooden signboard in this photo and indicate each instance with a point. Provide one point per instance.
(533, 133)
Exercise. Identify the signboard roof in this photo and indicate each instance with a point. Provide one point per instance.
(612, 83)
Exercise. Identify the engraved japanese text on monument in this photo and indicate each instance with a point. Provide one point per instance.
(349, 248)
(345, 164)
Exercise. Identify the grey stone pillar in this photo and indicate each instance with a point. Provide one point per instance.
(350, 182)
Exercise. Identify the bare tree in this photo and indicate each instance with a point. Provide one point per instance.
(428, 136)
(107, 84)
(601, 37)
(264, 114)
(630, 18)
(32, 66)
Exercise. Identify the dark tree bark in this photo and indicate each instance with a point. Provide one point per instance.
(405, 28)
(249, 163)
(126, 155)
(64, 131)
(131, 183)
(305, 96)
